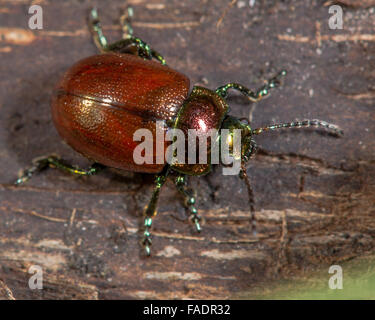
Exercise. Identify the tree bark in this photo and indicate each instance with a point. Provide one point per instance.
(314, 193)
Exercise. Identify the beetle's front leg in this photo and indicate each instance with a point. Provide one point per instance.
(254, 96)
(190, 200)
(52, 161)
(150, 211)
(125, 21)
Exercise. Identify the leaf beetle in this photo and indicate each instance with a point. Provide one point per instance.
(103, 99)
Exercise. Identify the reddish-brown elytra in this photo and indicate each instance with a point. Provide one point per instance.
(102, 100)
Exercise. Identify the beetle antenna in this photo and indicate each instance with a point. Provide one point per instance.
(299, 124)
(245, 177)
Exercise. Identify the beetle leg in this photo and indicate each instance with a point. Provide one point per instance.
(150, 211)
(189, 200)
(125, 21)
(143, 48)
(146, 51)
(158, 56)
(96, 30)
(253, 96)
(137, 46)
(54, 162)
(127, 44)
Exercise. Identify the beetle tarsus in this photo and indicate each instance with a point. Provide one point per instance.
(150, 211)
(96, 30)
(147, 242)
(39, 164)
(190, 200)
(197, 225)
(148, 250)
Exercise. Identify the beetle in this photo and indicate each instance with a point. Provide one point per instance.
(103, 99)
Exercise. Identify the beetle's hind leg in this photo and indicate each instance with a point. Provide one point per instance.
(150, 211)
(190, 200)
(130, 43)
(41, 164)
(125, 22)
(254, 96)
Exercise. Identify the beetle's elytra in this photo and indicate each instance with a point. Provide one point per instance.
(103, 99)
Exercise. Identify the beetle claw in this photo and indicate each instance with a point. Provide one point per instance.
(197, 225)
(147, 250)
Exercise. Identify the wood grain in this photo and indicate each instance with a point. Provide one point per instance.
(314, 193)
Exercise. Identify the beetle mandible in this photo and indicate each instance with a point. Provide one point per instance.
(103, 99)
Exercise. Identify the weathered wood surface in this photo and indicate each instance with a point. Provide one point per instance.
(314, 194)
